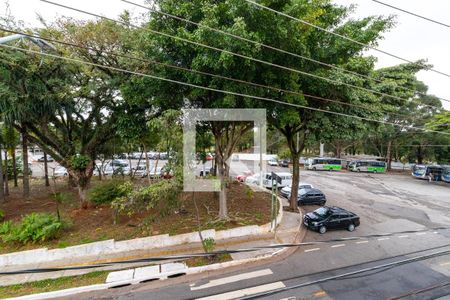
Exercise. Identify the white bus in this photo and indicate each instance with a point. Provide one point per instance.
(323, 163)
(374, 166)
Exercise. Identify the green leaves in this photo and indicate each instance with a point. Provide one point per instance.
(35, 227)
(79, 162)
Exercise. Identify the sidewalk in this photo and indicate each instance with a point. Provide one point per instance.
(286, 232)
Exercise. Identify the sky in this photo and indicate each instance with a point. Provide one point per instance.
(412, 38)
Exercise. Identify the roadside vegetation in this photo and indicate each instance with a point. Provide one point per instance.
(86, 114)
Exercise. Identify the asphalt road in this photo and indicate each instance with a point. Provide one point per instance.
(386, 204)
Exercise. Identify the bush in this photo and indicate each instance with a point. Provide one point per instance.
(209, 244)
(35, 227)
(2, 215)
(106, 192)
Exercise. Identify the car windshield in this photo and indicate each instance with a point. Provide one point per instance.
(302, 191)
(322, 212)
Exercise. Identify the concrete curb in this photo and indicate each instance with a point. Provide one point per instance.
(110, 247)
(278, 254)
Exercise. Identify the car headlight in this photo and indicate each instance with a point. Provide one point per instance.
(315, 223)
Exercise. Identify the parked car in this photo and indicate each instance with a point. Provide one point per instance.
(326, 218)
(272, 162)
(49, 159)
(140, 171)
(286, 179)
(285, 163)
(60, 172)
(311, 196)
(286, 191)
(242, 177)
(254, 179)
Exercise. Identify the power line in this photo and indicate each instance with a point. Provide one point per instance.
(340, 35)
(206, 73)
(213, 89)
(233, 53)
(270, 47)
(411, 13)
(208, 254)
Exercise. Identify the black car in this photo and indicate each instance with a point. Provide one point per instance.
(285, 163)
(326, 218)
(311, 196)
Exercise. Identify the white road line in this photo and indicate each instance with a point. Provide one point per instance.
(362, 242)
(246, 292)
(230, 279)
(383, 239)
(421, 233)
(435, 232)
(336, 246)
(403, 236)
(313, 249)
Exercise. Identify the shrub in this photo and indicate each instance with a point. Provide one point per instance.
(106, 192)
(5, 227)
(209, 244)
(2, 215)
(35, 227)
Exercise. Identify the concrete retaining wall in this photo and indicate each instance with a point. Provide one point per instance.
(43, 255)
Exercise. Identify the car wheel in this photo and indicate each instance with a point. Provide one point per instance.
(351, 227)
(375, 171)
(358, 170)
(322, 203)
(322, 229)
(314, 169)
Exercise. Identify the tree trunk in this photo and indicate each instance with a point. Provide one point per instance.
(2, 182)
(83, 179)
(26, 171)
(14, 167)
(419, 155)
(147, 163)
(389, 155)
(72, 182)
(6, 174)
(82, 196)
(47, 183)
(223, 210)
(295, 181)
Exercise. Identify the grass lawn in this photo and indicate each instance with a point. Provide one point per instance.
(96, 223)
(49, 285)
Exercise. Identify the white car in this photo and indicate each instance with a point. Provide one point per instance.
(272, 162)
(286, 179)
(60, 172)
(286, 191)
(254, 179)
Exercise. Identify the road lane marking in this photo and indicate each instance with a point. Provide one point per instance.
(421, 233)
(435, 232)
(313, 249)
(337, 246)
(246, 292)
(362, 242)
(383, 239)
(320, 294)
(230, 279)
(446, 264)
(403, 236)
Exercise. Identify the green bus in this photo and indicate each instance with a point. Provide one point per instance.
(374, 166)
(322, 163)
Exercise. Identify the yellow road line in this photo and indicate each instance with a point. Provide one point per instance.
(320, 294)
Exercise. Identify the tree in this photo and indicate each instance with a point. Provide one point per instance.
(11, 140)
(440, 122)
(69, 110)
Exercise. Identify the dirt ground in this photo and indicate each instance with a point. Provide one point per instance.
(96, 223)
